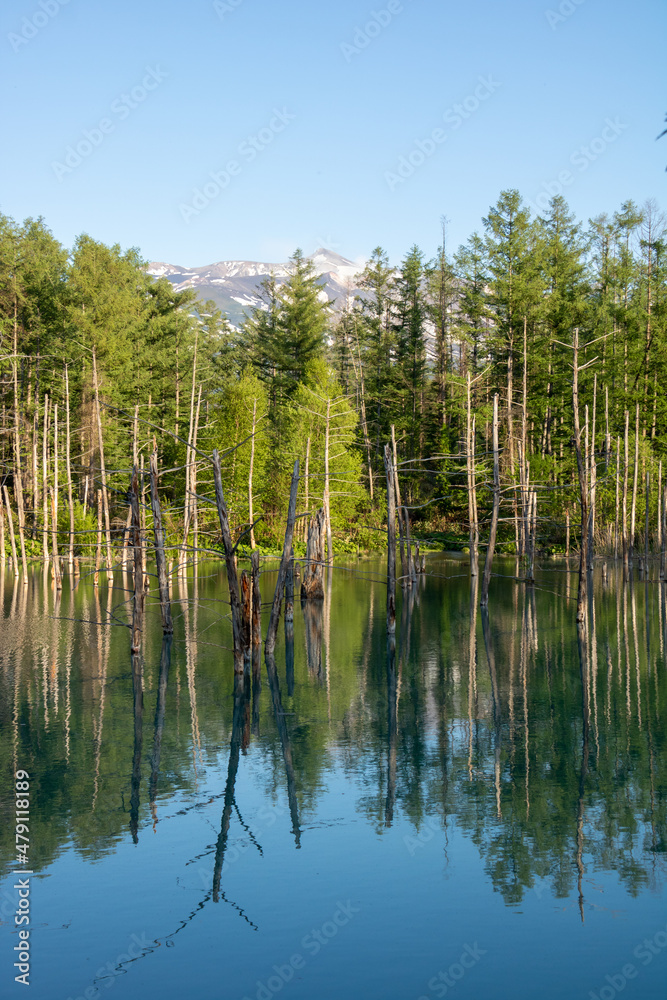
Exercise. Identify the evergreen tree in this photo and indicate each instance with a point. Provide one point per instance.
(410, 332)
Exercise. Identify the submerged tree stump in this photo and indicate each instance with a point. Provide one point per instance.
(312, 585)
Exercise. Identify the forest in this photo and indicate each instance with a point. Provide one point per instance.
(102, 364)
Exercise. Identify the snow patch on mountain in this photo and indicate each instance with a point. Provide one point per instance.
(234, 284)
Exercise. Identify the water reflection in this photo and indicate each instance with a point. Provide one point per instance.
(542, 742)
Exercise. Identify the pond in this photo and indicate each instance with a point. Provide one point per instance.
(479, 813)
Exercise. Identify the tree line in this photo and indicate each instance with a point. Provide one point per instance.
(102, 363)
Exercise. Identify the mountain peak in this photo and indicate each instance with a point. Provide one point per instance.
(234, 284)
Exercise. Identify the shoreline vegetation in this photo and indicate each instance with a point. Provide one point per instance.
(556, 327)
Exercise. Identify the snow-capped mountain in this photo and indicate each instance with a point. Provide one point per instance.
(234, 284)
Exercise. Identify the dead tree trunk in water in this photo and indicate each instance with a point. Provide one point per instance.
(486, 579)
(98, 549)
(626, 552)
(289, 589)
(583, 492)
(326, 503)
(663, 542)
(593, 482)
(282, 571)
(15, 563)
(252, 463)
(472, 485)
(103, 471)
(399, 509)
(57, 577)
(160, 558)
(312, 585)
(45, 483)
(633, 512)
(246, 617)
(3, 555)
(69, 475)
(391, 543)
(646, 527)
(256, 601)
(18, 480)
(232, 578)
(138, 598)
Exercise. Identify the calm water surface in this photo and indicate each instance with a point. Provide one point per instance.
(480, 813)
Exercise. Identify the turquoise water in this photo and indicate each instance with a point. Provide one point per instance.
(479, 813)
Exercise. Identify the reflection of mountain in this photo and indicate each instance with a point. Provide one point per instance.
(233, 284)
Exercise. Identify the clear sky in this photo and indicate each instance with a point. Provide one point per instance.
(350, 124)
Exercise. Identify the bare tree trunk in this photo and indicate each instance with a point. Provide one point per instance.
(103, 472)
(306, 485)
(618, 488)
(252, 463)
(607, 436)
(246, 619)
(583, 492)
(399, 507)
(326, 504)
(523, 456)
(45, 483)
(474, 551)
(289, 589)
(232, 577)
(472, 499)
(18, 482)
(57, 578)
(270, 643)
(646, 528)
(635, 475)
(593, 482)
(659, 502)
(193, 487)
(35, 467)
(531, 525)
(486, 579)
(3, 554)
(15, 562)
(138, 598)
(98, 552)
(663, 545)
(142, 514)
(391, 543)
(626, 553)
(70, 498)
(160, 558)
(256, 601)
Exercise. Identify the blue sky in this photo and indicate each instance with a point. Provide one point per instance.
(349, 124)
